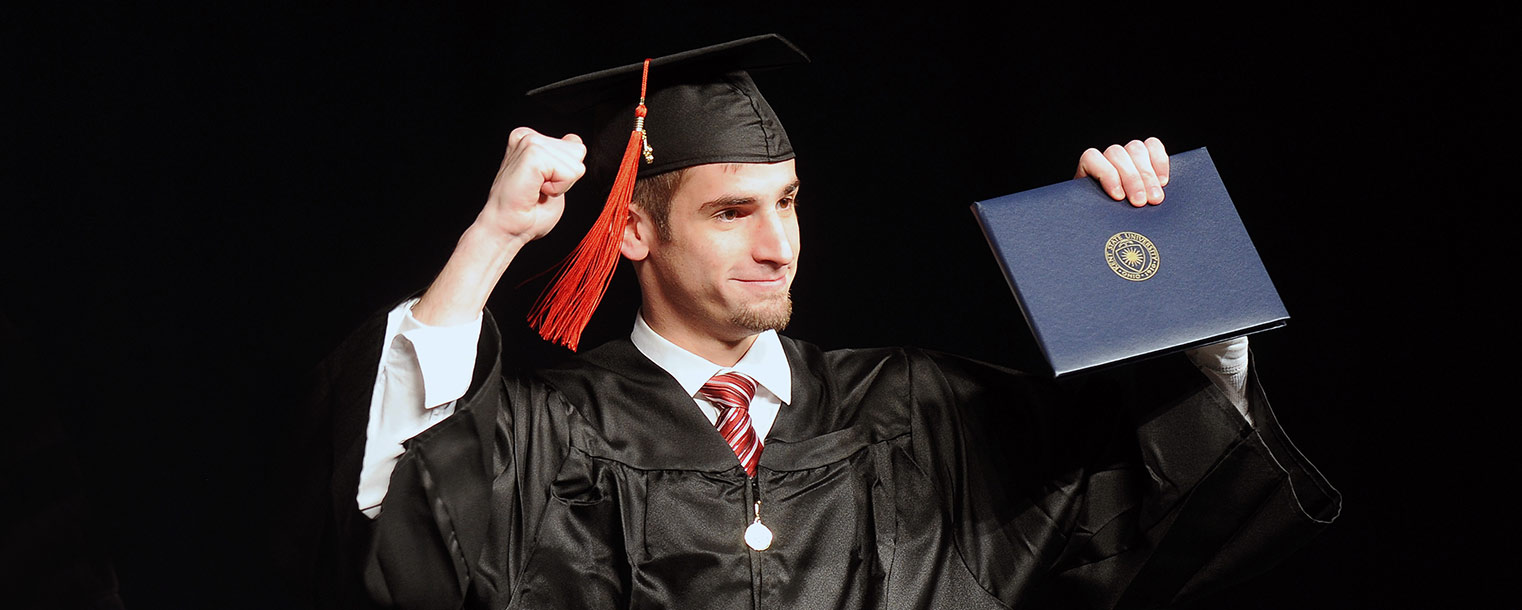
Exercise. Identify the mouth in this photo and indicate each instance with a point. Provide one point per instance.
(773, 282)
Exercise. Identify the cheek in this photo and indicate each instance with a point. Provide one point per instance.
(703, 266)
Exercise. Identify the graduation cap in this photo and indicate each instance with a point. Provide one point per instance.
(643, 119)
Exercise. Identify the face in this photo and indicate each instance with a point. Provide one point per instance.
(727, 268)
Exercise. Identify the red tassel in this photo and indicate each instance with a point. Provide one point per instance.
(565, 308)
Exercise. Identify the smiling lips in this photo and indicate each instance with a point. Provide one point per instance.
(766, 282)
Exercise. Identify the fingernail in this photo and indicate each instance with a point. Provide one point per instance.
(1155, 194)
(1163, 181)
(1118, 193)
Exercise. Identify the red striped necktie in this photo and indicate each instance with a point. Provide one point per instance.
(731, 393)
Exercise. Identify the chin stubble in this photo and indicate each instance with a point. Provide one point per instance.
(767, 315)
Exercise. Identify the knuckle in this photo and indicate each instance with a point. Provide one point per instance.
(534, 143)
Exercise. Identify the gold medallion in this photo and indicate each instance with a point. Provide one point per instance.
(1132, 256)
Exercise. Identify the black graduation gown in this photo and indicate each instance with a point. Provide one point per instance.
(896, 478)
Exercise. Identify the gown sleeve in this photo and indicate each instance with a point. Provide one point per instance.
(483, 474)
(1132, 488)
(321, 537)
(334, 556)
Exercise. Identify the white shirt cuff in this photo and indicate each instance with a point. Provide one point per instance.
(1225, 363)
(445, 357)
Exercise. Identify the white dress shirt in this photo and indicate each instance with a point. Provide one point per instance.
(424, 369)
(765, 362)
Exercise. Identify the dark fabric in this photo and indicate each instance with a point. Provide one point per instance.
(321, 538)
(896, 478)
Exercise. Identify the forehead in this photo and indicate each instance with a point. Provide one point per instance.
(702, 183)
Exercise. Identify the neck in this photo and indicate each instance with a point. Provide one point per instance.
(718, 350)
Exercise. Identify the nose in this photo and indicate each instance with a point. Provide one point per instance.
(776, 240)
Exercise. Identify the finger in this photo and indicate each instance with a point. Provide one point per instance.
(524, 141)
(539, 167)
(556, 163)
(1093, 164)
(569, 151)
(519, 134)
(1136, 189)
(561, 177)
(1159, 156)
(514, 150)
(558, 169)
(522, 180)
(566, 169)
(1141, 158)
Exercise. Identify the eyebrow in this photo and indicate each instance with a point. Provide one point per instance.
(724, 201)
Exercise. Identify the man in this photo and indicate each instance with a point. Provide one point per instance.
(709, 462)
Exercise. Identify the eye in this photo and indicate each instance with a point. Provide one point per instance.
(787, 203)
(728, 214)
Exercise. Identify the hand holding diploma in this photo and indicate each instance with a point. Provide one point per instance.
(1136, 172)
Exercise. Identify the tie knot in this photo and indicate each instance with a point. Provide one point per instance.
(730, 390)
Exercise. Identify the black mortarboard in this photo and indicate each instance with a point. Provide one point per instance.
(703, 107)
(657, 116)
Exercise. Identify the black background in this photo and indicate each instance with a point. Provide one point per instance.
(199, 202)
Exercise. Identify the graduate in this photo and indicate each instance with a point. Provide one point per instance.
(707, 461)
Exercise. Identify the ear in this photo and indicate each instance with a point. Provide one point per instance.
(637, 234)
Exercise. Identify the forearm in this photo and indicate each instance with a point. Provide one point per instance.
(460, 291)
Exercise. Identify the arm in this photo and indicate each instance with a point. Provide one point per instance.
(1134, 487)
(1166, 497)
(430, 343)
(525, 202)
(1215, 501)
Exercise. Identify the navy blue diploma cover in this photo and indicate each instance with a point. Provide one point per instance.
(1103, 283)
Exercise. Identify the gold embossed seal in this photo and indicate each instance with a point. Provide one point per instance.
(1131, 256)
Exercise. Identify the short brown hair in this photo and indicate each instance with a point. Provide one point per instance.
(654, 195)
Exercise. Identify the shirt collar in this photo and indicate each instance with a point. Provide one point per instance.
(764, 361)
